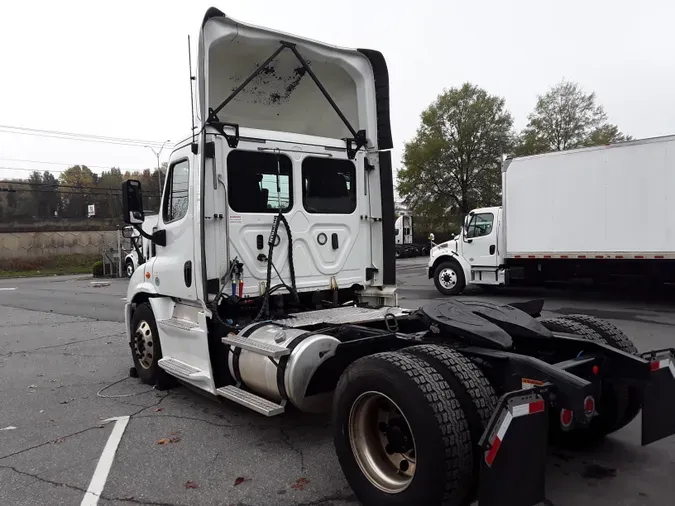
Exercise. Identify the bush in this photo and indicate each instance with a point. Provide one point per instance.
(97, 269)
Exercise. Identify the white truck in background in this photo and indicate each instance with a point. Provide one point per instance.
(403, 238)
(600, 213)
(141, 246)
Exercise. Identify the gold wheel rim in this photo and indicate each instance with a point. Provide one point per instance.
(382, 442)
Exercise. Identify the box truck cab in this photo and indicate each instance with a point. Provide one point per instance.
(474, 256)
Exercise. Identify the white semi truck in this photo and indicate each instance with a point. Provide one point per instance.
(273, 286)
(598, 213)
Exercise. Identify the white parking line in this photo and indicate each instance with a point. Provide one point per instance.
(105, 462)
(11, 427)
(4, 289)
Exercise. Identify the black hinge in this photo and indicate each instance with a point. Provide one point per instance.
(370, 273)
(210, 150)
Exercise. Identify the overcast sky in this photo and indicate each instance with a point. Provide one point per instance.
(120, 68)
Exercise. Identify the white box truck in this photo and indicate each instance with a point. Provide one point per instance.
(600, 213)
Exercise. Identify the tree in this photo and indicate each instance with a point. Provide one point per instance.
(566, 118)
(453, 163)
(77, 185)
(50, 198)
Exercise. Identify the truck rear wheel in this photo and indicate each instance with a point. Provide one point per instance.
(616, 338)
(474, 392)
(146, 349)
(400, 435)
(611, 408)
(449, 278)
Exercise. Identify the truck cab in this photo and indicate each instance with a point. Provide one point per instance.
(474, 256)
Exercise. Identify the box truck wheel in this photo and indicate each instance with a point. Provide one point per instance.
(449, 278)
(616, 338)
(146, 349)
(611, 408)
(400, 435)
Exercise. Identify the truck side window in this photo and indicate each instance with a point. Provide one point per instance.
(328, 185)
(177, 195)
(480, 225)
(252, 182)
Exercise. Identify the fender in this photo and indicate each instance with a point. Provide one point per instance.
(451, 255)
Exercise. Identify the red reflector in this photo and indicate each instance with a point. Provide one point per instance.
(490, 457)
(564, 256)
(639, 256)
(565, 417)
(596, 370)
(659, 256)
(537, 407)
(655, 365)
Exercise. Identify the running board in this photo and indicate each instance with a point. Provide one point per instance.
(178, 323)
(258, 347)
(251, 401)
(181, 369)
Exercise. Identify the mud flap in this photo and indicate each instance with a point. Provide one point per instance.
(658, 408)
(514, 445)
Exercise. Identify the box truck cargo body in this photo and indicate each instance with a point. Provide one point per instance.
(602, 213)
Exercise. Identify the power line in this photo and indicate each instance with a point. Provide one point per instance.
(78, 136)
(104, 167)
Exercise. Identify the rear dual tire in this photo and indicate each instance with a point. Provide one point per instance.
(443, 402)
(620, 403)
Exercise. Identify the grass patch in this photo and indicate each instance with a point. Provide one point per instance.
(47, 266)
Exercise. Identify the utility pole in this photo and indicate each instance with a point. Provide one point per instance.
(159, 173)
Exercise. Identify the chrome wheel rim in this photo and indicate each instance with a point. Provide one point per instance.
(144, 344)
(382, 442)
(448, 278)
(130, 270)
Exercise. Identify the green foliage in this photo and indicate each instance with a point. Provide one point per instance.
(566, 117)
(97, 269)
(453, 162)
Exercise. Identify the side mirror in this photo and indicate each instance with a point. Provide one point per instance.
(132, 202)
(432, 236)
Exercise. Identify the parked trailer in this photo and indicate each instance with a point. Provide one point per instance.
(403, 236)
(602, 213)
(273, 285)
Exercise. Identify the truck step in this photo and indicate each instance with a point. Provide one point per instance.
(178, 323)
(266, 349)
(251, 401)
(181, 369)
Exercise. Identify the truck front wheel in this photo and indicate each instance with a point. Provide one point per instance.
(146, 349)
(449, 278)
(400, 435)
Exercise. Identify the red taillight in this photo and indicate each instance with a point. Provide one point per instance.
(589, 406)
(655, 365)
(596, 370)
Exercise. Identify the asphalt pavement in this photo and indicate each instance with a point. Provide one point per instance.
(64, 365)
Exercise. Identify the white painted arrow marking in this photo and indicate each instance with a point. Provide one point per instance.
(105, 462)
(11, 427)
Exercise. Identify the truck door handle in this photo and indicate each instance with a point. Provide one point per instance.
(259, 241)
(187, 273)
(334, 241)
(492, 249)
